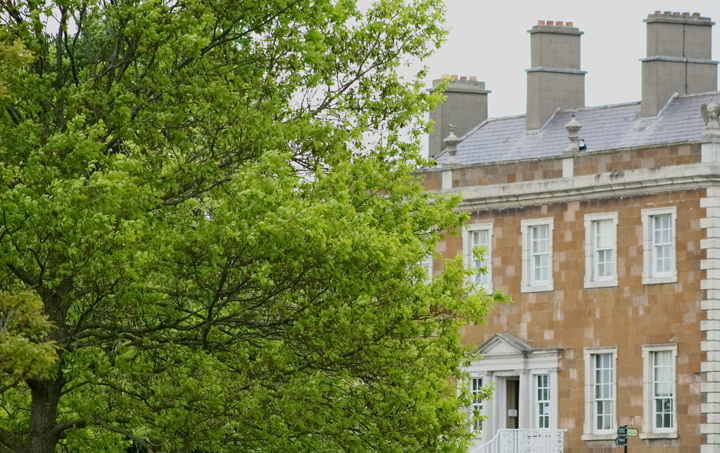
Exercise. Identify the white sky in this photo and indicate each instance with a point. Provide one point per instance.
(489, 39)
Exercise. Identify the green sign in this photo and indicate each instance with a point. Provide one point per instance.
(621, 441)
(632, 432)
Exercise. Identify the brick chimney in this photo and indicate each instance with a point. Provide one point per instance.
(679, 48)
(554, 79)
(465, 107)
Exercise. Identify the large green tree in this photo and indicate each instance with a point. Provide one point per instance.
(214, 202)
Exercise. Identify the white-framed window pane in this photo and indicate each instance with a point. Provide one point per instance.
(477, 239)
(662, 235)
(540, 254)
(543, 400)
(604, 241)
(604, 398)
(427, 265)
(477, 402)
(663, 398)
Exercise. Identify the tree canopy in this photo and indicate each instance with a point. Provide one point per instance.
(209, 214)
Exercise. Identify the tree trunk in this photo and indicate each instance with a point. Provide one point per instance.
(43, 433)
(43, 415)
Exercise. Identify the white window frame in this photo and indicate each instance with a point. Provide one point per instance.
(590, 432)
(648, 426)
(468, 254)
(427, 263)
(591, 279)
(526, 285)
(649, 276)
(474, 405)
(537, 400)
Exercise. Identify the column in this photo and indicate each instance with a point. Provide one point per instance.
(524, 400)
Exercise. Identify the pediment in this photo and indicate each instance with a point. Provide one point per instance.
(503, 344)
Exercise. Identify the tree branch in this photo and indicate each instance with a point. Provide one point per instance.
(10, 440)
(64, 426)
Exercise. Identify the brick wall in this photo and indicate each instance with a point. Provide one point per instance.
(627, 316)
(644, 158)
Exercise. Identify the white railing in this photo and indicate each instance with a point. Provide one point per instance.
(524, 441)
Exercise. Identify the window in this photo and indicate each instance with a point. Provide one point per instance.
(477, 403)
(479, 235)
(659, 245)
(601, 250)
(537, 255)
(600, 391)
(659, 420)
(662, 392)
(427, 265)
(543, 400)
(603, 389)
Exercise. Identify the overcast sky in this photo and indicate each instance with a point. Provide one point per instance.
(489, 39)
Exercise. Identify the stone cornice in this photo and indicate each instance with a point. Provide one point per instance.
(643, 181)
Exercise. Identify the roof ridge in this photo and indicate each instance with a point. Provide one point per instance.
(568, 110)
(600, 107)
(503, 118)
(697, 95)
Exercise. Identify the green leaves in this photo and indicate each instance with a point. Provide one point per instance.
(215, 202)
(24, 353)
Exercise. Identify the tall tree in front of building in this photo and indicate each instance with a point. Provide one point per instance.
(214, 202)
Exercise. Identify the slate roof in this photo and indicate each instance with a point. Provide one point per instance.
(603, 128)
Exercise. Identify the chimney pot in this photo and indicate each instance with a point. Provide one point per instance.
(568, 24)
(676, 13)
(463, 78)
(548, 22)
(667, 12)
(657, 13)
(558, 23)
(453, 77)
(473, 78)
(444, 76)
(685, 14)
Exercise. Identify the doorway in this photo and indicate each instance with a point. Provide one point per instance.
(512, 401)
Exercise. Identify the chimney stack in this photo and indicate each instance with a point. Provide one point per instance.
(554, 79)
(679, 52)
(465, 107)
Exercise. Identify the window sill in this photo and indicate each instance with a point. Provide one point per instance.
(537, 289)
(602, 283)
(608, 436)
(671, 435)
(658, 280)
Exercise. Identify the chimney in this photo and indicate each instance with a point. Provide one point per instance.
(554, 79)
(679, 48)
(465, 107)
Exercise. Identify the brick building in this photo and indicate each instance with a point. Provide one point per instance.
(603, 223)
